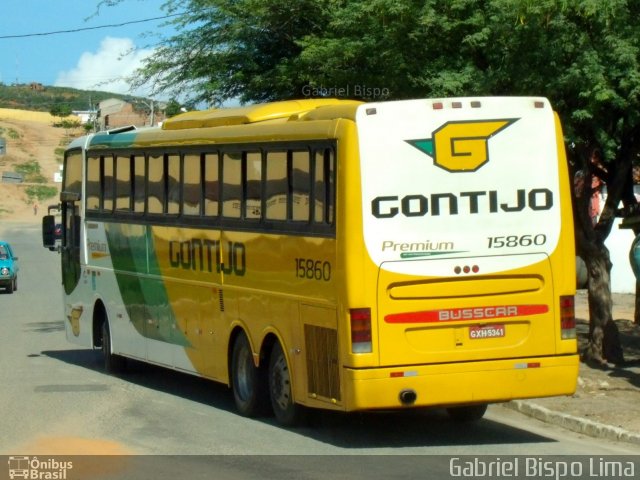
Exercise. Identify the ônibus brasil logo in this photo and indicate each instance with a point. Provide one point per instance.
(461, 146)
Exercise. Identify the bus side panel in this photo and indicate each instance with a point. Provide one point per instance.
(285, 285)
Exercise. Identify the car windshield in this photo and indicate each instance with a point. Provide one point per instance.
(3, 253)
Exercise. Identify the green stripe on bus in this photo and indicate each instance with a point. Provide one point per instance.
(145, 297)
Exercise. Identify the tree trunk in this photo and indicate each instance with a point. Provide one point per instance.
(604, 342)
(600, 303)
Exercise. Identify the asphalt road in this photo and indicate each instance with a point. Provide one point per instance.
(56, 400)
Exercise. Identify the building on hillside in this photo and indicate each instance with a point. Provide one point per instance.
(114, 113)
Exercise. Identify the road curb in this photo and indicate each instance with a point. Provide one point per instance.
(573, 423)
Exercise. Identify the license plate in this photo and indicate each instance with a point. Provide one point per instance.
(486, 331)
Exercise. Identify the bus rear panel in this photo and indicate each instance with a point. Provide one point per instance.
(468, 253)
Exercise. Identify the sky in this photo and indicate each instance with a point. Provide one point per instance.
(96, 59)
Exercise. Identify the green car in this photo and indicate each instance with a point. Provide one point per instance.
(8, 268)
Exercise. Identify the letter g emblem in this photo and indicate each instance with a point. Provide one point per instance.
(461, 146)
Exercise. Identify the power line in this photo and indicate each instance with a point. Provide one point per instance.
(75, 30)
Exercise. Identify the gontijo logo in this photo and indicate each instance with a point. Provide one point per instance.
(461, 146)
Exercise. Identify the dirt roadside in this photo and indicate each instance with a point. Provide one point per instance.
(29, 136)
(607, 400)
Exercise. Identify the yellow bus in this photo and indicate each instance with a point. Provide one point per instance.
(330, 254)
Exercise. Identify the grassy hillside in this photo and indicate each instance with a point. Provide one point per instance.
(43, 98)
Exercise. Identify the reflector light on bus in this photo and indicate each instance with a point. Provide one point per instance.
(360, 330)
(527, 365)
(401, 374)
(567, 317)
(438, 105)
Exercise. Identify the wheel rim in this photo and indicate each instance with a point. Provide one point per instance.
(280, 383)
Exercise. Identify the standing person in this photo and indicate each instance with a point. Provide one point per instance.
(35, 208)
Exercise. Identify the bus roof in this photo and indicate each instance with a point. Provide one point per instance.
(283, 111)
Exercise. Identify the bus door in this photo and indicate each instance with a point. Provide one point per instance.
(70, 199)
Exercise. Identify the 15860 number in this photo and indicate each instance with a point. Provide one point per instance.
(512, 241)
(313, 269)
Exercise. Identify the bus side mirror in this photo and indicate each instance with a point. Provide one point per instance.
(48, 232)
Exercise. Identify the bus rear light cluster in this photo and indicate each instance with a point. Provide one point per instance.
(567, 318)
(360, 319)
(466, 269)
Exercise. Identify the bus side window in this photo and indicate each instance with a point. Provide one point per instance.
(108, 183)
(139, 192)
(123, 183)
(173, 184)
(276, 188)
(211, 185)
(323, 188)
(192, 186)
(301, 186)
(93, 183)
(253, 187)
(231, 185)
(156, 194)
(330, 175)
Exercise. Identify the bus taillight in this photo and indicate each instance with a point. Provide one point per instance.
(567, 318)
(360, 330)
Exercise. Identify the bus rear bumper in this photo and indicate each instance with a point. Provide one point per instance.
(460, 383)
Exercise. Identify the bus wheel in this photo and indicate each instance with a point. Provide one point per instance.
(247, 381)
(467, 413)
(112, 363)
(287, 412)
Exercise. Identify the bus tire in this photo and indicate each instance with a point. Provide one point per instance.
(247, 380)
(112, 363)
(467, 413)
(286, 411)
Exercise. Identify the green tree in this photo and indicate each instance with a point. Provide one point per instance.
(584, 56)
(60, 110)
(173, 108)
(233, 49)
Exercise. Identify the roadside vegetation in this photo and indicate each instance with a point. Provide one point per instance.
(32, 174)
(9, 133)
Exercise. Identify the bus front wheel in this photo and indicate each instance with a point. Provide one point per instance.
(112, 363)
(286, 411)
(247, 380)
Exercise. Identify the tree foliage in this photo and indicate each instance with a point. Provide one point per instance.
(60, 110)
(583, 55)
